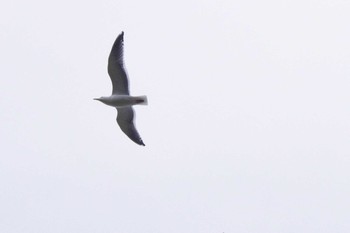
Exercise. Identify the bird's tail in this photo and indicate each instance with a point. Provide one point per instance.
(142, 100)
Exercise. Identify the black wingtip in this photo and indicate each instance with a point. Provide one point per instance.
(120, 38)
(137, 141)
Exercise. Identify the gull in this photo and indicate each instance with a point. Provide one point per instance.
(121, 98)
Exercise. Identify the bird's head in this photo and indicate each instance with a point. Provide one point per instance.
(99, 99)
(103, 99)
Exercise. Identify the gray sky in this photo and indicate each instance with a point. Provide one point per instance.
(247, 128)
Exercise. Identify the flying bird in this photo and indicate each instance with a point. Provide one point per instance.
(121, 98)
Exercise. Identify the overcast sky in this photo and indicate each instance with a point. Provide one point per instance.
(247, 128)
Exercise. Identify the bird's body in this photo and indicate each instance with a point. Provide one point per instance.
(120, 97)
(120, 101)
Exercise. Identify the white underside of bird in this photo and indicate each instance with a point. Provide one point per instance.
(120, 101)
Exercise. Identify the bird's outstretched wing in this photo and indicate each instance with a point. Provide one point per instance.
(116, 69)
(125, 121)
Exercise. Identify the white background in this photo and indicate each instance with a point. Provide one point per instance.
(247, 128)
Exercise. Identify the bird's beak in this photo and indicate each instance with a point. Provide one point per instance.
(97, 99)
